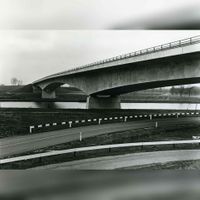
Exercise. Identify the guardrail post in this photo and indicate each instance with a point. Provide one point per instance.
(177, 115)
(125, 119)
(99, 121)
(156, 125)
(150, 116)
(80, 136)
(30, 129)
(70, 124)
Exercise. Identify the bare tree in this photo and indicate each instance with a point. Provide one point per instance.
(20, 82)
(13, 81)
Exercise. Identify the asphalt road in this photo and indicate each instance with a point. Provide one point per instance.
(20, 144)
(127, 161)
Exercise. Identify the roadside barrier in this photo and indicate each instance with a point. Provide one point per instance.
(93, 148)
(104, 120)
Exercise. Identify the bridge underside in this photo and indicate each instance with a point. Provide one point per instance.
(148, 85)
(110, 102)
(110, 99)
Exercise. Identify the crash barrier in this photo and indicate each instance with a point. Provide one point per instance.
(94, 148)
(104, 120)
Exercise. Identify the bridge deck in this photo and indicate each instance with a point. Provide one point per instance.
(136, 54)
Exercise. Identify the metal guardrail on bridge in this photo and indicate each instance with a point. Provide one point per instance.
(171, 45)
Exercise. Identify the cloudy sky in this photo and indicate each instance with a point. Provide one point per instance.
(93, 14)
(30, 55)
(41, 37)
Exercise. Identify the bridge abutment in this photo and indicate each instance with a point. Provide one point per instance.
(48, 95)
(111, 102)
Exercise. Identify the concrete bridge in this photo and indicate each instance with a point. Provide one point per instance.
(169, 64)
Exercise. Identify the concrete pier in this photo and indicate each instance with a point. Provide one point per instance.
(111, 102)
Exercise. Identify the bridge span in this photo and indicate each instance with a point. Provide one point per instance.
(104, 81)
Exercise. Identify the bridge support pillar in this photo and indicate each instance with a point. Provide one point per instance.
(111, 102)
(48, 95)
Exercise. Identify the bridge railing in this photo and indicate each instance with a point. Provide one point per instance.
(171, 45)
(175, 44)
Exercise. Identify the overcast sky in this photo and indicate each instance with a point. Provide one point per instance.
(30, 55)
(36, 36)
(93, 14)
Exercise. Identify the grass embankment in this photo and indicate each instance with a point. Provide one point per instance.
(26, 93)
(158, 98)
(173, 132)
(17, 121)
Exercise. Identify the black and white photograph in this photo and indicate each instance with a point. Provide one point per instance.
(99, 99)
